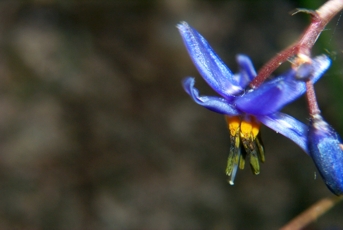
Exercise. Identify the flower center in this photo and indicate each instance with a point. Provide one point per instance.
(245, 141)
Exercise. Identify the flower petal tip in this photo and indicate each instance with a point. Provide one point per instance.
(210, 66)
(216, 104)
(182, 25)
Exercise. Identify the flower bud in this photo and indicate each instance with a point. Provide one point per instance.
(326, 149)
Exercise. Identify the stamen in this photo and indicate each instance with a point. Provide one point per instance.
(250, 148)
(246, 128)
(242, 161)
(260, 147)
(244, 132)
(235, 153)
(254, 163)
(249, 131)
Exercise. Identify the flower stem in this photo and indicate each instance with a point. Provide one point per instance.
(311, 99)
(312, 213)
(303, 46)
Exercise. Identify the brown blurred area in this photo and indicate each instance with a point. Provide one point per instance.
(96, 131)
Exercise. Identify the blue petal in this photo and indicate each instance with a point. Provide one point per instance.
(325, 147)
(246, 71)
(216, 104)
(269, 97)
(287, 126)
(210, 66)
(320, 64)
(273, 95)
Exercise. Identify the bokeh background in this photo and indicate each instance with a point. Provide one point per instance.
(96, 131)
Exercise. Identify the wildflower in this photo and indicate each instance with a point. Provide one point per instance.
(326, 149)
(245, 109)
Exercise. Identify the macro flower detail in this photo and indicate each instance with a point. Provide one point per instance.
(244, 108)
(324, 144)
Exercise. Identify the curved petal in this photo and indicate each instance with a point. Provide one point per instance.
(273, 95)
(216, 104)
(269, 97)
(210, 66)
(246, 72)
(287, 126)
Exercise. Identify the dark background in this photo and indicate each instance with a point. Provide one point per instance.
(96, 131)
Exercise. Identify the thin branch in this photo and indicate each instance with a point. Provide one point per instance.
(312, 213)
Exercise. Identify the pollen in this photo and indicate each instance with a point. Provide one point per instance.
(245, 142)
(233, 124)
(246, 129)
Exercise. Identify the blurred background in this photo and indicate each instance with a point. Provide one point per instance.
(96, 131)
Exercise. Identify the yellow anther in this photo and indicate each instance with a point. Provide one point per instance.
(246, 128)
(233, 124)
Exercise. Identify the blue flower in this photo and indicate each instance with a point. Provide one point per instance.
(245, 109)
(326, 149)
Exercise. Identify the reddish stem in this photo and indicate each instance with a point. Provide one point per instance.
(307, 40)
(311, 99)
(272, 65)
(303, 46)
